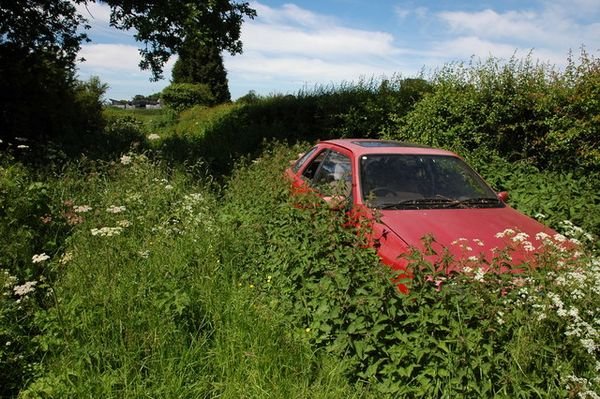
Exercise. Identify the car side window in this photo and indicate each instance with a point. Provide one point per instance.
(313, 166)
(335, 175)
(303, 159)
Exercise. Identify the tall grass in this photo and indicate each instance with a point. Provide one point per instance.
(141, 300)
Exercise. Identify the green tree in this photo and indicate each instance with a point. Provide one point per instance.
(40, 39)
(161, 26)
(200, 63)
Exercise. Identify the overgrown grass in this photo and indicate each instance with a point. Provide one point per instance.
(141, 301)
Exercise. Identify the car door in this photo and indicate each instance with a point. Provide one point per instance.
(327, 171)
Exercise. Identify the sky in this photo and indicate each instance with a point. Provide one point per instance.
(292, 46)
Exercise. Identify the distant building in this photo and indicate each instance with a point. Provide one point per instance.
(123, 104)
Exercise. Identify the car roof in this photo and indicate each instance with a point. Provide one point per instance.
(373, 146)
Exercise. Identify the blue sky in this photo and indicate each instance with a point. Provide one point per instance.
(295, 45)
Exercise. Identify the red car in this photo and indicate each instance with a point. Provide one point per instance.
(410, 191)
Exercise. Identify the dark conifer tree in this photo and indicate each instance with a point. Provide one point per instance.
(202, 63)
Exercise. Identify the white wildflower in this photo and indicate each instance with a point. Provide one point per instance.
(168, 187)
(478, 242)
(589, 345)
(528, 246)
(479, 275)
(541, 236)
(82, 208)
(559, 237)
(126, 159)
(124, 223)
(115, 209)
(39, 258)
(9, 281)
(25, 289)
(506, 232)
(521, 237)
(541, 316)
(66, 258)
(473, 258)
(153, 136)
(107, 231)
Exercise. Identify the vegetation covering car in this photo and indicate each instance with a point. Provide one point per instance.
(408, 192)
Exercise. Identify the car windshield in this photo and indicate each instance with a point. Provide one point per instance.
(400, 181)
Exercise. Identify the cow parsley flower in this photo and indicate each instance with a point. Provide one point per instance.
(39, 258)
(115, 209)
(124, 223)
(541, 236)
(479, 274)
(153, 136)
(24, 289)
(107, 231)
(559, 237)
(506, 232)
(520, 237)
(126, 159)
(82, 208)
(528, 246)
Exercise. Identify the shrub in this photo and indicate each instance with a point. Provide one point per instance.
(518, 108)
(180, 96)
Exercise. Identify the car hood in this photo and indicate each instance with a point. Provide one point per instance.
(465, 232)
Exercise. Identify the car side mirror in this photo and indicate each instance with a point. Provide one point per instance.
(502, 196)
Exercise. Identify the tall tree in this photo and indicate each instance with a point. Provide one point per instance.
(161, 26)
(202, 63)
(41, 38)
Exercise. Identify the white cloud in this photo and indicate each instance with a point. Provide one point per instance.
(548, 30)
(329, 42)
(95, 13)
(295, 47)
(463, 48)
(114, 57)
(489, 23)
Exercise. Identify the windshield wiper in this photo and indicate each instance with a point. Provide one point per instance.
(477, 202)
(442, 202)
(416, 203)
(480, 202)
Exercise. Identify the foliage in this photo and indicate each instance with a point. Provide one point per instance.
(35, 94)
(138, 300)
(201, 63)
(180, 96)
(520, 109)
(52, 27)
(162, 26)
(47, 28)
(551, 196)
(235, 131)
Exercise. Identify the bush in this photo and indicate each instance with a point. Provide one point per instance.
(521, 110)
(180, 96)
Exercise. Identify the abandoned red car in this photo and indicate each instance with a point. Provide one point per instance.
(416, 191)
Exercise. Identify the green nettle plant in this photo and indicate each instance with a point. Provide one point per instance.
(480, 333)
